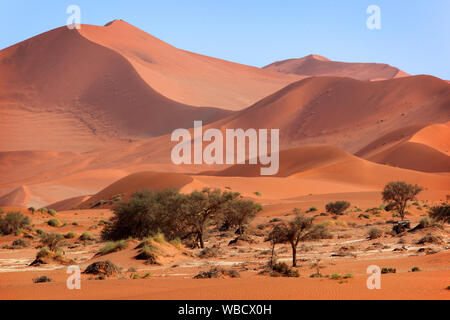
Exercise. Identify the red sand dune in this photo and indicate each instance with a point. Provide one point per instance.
(184, 76)
(424, 150)
(291, 161)
(19, 196)
(59, 86)
(346, 113)
(140, 181)
(314, 66)
(338, 167)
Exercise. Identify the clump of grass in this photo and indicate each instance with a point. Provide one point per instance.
(159, 237)
(218, 273)
(348, 276)
(335, 276)
(415, 269)
(42, 279)
(54, 223)
(70, 235)
(259, 194)
(312, 209)
(148, 254)
(281, 269)
(177, 243)
(43, 253)
(86, 236)
(111, 247)
(52, 212)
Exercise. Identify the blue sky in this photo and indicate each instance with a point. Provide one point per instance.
(414, 35)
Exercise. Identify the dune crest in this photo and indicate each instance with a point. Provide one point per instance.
(315, 66)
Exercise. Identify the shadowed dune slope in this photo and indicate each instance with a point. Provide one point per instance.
(18, 197)
(184, 76)
(140, 181)
(291, 161)
(314, 66)
(425, 150)
(414, 156)
(346, 113)
(326, 164)
(59, 86)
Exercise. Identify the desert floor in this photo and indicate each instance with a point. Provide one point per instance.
(349, 252)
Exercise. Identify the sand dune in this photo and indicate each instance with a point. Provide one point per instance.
(17, 197)
(346, 113)
(184, 76)
(314, 66)
(426, 149)
(63, 87)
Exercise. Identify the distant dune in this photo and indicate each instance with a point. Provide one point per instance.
(187, 77)
(346, 113)
(315, 66)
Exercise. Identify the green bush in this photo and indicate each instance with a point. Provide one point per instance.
(440, 213)
(70, 235)
(281, 269)
(13, 222)
(86, 236)
(338, 207)
(312, 209)
(54, 223)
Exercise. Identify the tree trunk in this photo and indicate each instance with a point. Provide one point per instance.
(200, 238)
(294, 256)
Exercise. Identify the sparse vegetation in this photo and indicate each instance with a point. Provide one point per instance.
(54, 223)
(218, 273)
(398, 194)
(440, 213)
(12, 222)
(52, 241)
(337, 208)
(86, 236)
(111, 247)
(42, 279)
(416, 269)
(388, 270)
(176, 215)
(281, 269)
(104, 268)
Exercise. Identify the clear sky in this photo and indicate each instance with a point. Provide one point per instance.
(414, 35)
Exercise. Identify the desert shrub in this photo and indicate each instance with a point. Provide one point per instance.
(173, 214)
(149, 254)
(218, 273)
(440, 213)
(259, 194)
(86, 236)
(281, 269)
(177, 243)
(70, 235)
(42, 253)
(20, 243)
(111, 247)
(43, 210)
(348, 276)
(42, 279)
(312, 209)
(335, 276)
(415, 269)
(105, 268)
(52, 241)
(375, 233)
(319, 232)
(54, 223)
(338, 207)
(388, 270)
(429, 238)
(237, 213)
(52, 212)
(398, 194)
(12, 222)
